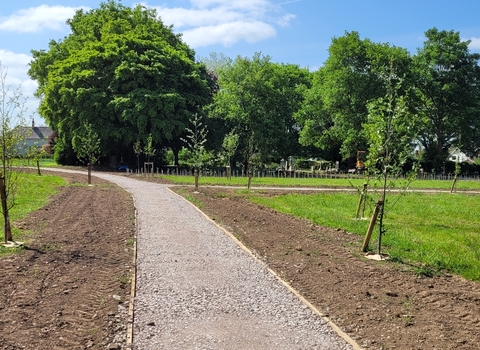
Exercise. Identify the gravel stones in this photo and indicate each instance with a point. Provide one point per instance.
(197, 289)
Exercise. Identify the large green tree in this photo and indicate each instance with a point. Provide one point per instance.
(122, 71)
(258, 99)
(336, 106)
(448, 86)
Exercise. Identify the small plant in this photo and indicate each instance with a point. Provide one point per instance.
(230, 144)
(457, 172)
(86, 144)
(93, 331)
(195, 141)
(407, 320)
(389, 133)
(198, 203)
(123, 279)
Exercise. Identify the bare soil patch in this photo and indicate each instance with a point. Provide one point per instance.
(383, 305)
(69, 288)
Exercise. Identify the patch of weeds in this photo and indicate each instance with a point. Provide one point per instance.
(92, 331)
(101, 300)
(35, 271)
(222, 195)
(8, 251)
(396, 259)
(50, 247)
(425, 271)
(130, 242)
(195, 201)
(79, 184)
(407, 320)
(123, 279)
(243, 191)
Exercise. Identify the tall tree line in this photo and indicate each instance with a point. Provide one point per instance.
(125, 73)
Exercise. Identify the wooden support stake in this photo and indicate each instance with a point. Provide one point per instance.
(373, 220)
(89, 173)
(453, 184)
(362, 199)
(195, 174)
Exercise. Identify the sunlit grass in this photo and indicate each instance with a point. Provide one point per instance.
(28, 162)
(353, 182)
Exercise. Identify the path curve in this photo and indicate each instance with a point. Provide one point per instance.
(196, 288)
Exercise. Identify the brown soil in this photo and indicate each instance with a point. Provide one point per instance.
(61, 291)
(58, 293)
(382, 305)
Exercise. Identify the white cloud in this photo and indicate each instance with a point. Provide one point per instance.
(228, 33)
(284, 21)
(35, 19)
(474, 43)
(16, 67)
(181, 17)
(227, 22)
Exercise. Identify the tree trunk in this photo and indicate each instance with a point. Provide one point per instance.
(38, 168)
(195, 174)
(175, 155)
(229, 172)
(89, 171)
(6, 217)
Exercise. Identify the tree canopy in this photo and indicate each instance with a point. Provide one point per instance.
(336, 107)
(122, 71)
(447, 81)
(258, 99)
(126, 74)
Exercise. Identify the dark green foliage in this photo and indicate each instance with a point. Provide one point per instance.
(447, 80)
(122, 71)
(258, 99)
(335, 108)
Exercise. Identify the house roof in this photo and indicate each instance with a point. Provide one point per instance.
(36, 133)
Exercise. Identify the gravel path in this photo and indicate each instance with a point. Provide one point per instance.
(197, 289)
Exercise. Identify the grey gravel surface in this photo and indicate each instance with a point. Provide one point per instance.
(197, 289)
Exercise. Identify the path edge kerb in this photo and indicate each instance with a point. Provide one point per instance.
(337, 329)
(133, 287)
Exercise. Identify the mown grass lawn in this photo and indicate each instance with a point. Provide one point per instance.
(353, 182)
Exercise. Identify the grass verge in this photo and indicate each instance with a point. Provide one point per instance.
(353, 182)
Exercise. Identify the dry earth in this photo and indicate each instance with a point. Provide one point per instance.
(69, 288)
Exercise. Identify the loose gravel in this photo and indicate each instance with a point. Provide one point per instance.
(197, 289)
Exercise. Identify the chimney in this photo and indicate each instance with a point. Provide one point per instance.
(33, 123)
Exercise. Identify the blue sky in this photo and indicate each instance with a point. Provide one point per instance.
(289, 31)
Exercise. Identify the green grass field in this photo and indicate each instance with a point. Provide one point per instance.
(43, 162)
(319, 182)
